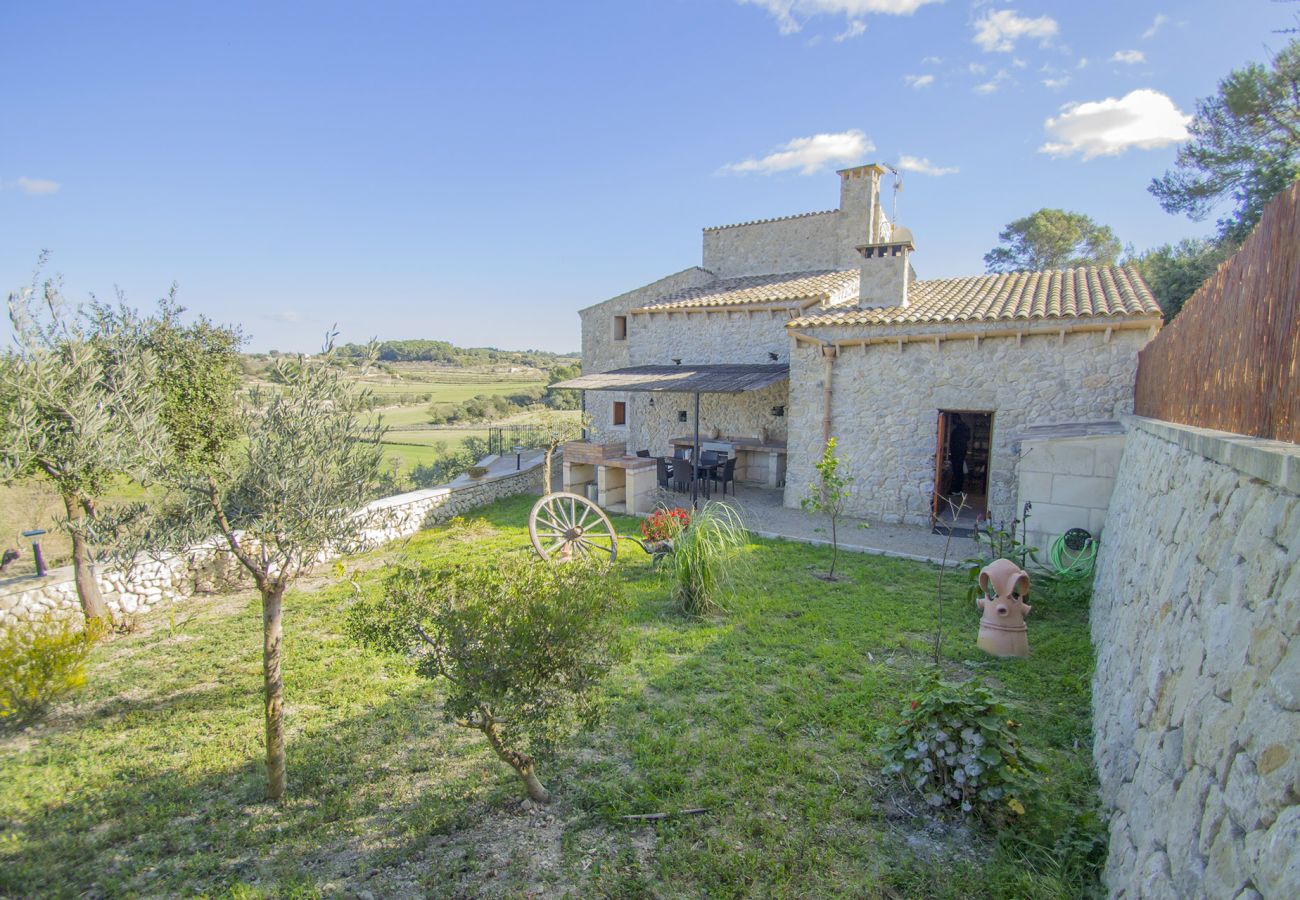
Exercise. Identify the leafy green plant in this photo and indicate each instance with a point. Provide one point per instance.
(41, 661)
(476, 471)
(521, 645)
(706, 557)
(957, 746)
(829, 495)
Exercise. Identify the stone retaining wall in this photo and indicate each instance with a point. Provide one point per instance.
(154, 582)
(1196, 695)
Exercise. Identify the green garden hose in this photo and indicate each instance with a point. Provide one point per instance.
(1074, 553)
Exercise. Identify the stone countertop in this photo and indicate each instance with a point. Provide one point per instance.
(739, 443)
(628, 462)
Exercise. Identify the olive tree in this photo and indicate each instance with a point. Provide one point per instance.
(79, 410)
(829, 495)
(522, 645)
(554, 428)
(286, 500)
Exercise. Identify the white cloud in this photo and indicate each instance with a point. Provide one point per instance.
(922, 166)
(1131, 57)
(932, 60)
(33, 186)
(789, 14)
(1158, 21)
(999, 30)
(993, 84)
(808, 154)
(1056, 83)
(1019, 63)
(918, 81)
(856, 27)
(1143, 118)
(1083, 62)
(977, 68)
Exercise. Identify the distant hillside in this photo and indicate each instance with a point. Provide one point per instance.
(448, 354)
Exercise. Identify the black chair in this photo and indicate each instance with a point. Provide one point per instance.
(683, 475)
(724, 475)
(644, 454)
(662, 472)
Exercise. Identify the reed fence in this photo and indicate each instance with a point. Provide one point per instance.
(1228, 360)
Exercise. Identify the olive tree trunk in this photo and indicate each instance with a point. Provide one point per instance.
(522, 763)
(83, 562)
(273, 684)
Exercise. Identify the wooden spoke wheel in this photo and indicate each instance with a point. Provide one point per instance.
(568, 526)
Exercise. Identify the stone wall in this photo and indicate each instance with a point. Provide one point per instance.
(1068, 478)
(886, 400)
(802, 243)
(601, 352)
(151, 582)
(1196, 694)
(796, 244)
(734, 415)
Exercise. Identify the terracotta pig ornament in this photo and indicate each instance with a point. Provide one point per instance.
(1004, 586)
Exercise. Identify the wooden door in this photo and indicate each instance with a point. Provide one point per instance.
(941, 444)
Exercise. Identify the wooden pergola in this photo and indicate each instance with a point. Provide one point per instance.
(736, 378)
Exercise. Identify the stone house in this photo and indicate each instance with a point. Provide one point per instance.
(885, 363)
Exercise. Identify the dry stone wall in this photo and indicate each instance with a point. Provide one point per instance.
(1196, 694)
(151, 583)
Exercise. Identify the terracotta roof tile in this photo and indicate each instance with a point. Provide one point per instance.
(827, 286)
(1060, 294)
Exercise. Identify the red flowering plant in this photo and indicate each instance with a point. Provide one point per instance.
(663, 525)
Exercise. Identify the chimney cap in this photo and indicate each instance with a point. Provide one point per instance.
(859, 171)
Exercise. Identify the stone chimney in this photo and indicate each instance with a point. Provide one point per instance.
(886, 271)
(861, 219)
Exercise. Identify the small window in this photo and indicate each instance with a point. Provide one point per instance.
(620, 328)
(620, 412)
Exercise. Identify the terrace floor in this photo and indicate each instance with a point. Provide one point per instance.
(764, 514)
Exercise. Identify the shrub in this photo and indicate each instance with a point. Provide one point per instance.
(705, 558)
(42, 661)
(476, 471)
(665, 524)
(957, 746)
(522, 645)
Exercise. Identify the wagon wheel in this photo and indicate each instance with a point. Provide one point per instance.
(565, 525)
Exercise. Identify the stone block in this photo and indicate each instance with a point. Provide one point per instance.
(1109, 453)
(1053, 519)
(1277, 870)
(1035, 486)
(1082, 490)
(1064, 457)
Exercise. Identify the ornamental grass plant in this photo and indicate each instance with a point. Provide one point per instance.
(706, 559)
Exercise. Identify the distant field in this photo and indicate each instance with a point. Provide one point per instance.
(33, 504)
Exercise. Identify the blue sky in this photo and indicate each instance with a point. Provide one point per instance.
(477, 172)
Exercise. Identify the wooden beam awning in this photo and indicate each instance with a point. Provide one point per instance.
(725, 379)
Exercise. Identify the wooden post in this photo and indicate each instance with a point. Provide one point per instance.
(695, 457)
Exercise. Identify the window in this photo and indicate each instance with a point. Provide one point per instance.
(620, 412)
(620, 328)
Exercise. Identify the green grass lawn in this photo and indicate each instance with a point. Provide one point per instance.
(150, 782)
